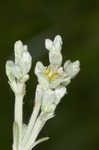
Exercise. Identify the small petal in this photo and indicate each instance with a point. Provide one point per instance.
(26, 62)
(60, 70)
(18, 45)
(48, 103)
(60, 92)
(72, 69)
(55, 83)
(19, 49)
(25, 78)
(58, 43)
(48, 44)
(66, 64)
(43, 81)
(55, 58)
(25, 48)
(17, 72)
(39, 68)
(59, 39)
(9, 70)
(66, 81)
(49, 96)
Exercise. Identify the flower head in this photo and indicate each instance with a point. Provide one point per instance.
(54, 48)
(20, 68)
(54, 74)
(17, 71)
(51, 99)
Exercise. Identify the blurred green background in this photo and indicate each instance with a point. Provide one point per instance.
(76, 125)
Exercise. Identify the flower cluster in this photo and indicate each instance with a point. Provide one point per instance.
(54, 78)
(17, 71)
(52, 86)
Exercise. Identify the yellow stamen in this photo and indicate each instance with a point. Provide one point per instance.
(52, 76)
(49, 75)
(47, 72)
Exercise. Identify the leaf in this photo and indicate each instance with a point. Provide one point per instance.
(39, 141)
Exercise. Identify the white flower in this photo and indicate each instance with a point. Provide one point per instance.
(51, 99)
(17, 71)
(51, 77)
(23, 60)
(55, 75)
(48, 77)
(72, 69)
(54, 48)
(54, 45)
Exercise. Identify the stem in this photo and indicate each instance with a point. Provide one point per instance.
(35, 131)
(31, 122)
(19, 114)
